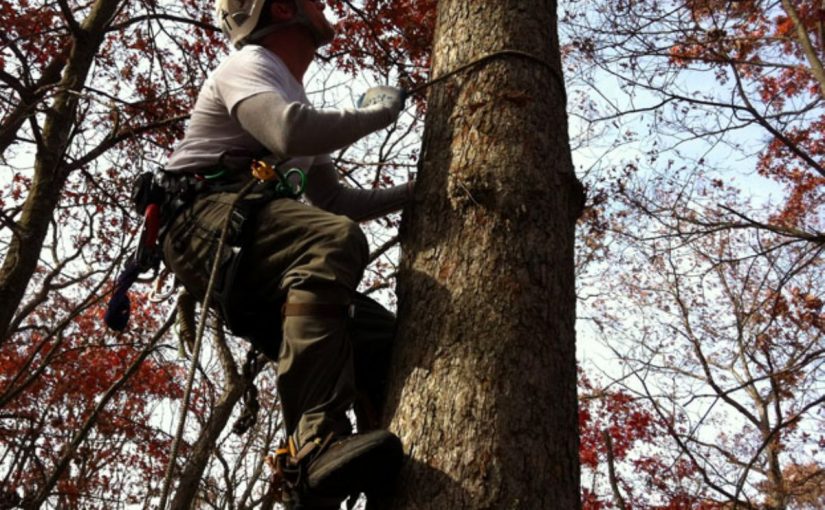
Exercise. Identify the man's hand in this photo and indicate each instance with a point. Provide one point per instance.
(389, 97)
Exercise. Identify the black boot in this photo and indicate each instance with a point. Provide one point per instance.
(366, 462)
(303, 500)
(323, 473)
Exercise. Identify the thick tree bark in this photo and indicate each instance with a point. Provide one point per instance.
(483, 393)
(49, 168)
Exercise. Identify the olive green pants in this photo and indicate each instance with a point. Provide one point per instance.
(298, 254)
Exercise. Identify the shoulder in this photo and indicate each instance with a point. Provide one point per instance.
(251, 59)
(254, 69)
(250, 71)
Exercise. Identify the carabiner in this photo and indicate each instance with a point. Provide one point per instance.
(286, 186)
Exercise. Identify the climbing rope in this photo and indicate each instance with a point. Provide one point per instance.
(167, 481)
(490, 56)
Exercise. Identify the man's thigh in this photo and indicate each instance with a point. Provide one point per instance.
(294, 245)
(287, 243)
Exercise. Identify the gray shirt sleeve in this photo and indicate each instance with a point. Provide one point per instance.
(326, 191)
(295, 129)
(290, 129)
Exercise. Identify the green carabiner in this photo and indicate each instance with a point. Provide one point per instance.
(285, 185)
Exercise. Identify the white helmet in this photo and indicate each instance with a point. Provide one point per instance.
(238, 19)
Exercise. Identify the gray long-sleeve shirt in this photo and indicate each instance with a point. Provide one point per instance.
(252, 104)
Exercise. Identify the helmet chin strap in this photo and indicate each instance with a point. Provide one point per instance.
(300, 18)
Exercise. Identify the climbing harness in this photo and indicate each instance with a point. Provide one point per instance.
(196, 352)
(286, 184)
(283, 188)
(158, 197)
(162, 290)
(197, 347)
(148, 201)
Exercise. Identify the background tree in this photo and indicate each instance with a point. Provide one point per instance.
(705, 169)
(726, 345)
(86, 87)
(696, 83)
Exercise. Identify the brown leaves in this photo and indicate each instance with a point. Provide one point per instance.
(383, 36)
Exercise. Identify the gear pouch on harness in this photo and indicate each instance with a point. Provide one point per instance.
(151, 201)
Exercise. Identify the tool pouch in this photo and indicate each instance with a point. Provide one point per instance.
(147, 191)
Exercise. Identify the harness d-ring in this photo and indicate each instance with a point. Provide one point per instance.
(286, 185)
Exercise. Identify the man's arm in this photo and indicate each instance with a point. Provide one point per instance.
(295, 129)
(326, 191)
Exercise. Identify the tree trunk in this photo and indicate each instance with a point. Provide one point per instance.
(483, 389)
(190, 477)
(49, 168)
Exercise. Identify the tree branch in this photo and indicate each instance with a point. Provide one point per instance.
(611, 471)
(70, 449)
(807, 46)
(793, 147)
(165, 17)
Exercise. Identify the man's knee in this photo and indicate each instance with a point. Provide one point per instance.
(335, 252)
(347, 240)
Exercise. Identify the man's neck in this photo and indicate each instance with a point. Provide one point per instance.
(294, 46)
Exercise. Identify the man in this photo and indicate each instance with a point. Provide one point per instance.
(308, 256)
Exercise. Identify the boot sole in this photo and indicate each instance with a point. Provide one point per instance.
(369, 464)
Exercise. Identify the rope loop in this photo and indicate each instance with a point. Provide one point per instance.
(490, 56)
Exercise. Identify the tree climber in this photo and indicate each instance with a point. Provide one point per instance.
(298, 261)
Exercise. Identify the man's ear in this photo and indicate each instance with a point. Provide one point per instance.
(281, 11)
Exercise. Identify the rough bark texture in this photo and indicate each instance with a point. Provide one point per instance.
(484, 376)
